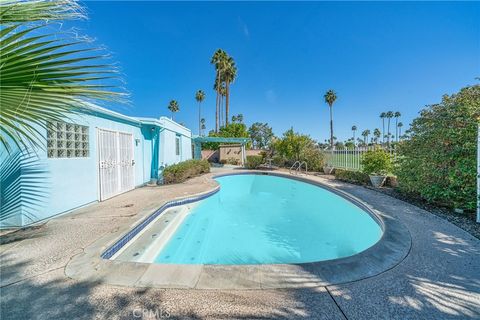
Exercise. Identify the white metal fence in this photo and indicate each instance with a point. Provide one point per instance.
(350, 158)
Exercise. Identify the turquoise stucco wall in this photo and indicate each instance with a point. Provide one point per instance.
(36, 187)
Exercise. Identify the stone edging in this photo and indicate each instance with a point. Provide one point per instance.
(390, 250)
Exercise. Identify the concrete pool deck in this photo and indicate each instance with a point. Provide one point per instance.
(438, 279)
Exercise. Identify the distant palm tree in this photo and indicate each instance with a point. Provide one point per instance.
(240, 118)
(199, 96)
(383, 115)
(377, 134)
(354, 128)
(389, 116)
(330, 97)
(396, 115)
(368, 132)
(400, 125)
(173, 107)
(202, 125)
(364, 135)
(234, 119)
(45, 75)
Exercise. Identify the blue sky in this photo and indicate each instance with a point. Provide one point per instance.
(377, 56)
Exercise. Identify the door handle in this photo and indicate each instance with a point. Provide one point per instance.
(133, 162)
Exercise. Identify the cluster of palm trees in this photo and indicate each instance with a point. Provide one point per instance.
(398, 126)
(330, 97)
(377, 134)
(225, 75)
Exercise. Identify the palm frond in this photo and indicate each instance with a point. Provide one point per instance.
(45, 77)
(19, 11)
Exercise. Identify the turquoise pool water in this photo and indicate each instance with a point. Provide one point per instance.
(264, 219)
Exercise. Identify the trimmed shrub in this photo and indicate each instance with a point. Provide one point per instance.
(377, 162)
(253, 162)
(357, 177)
(184, 170)
(438, 161)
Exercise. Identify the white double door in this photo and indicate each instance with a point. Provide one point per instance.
(115, 162)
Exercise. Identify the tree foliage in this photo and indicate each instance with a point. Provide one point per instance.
(261, 135)
(233, 130)
(438, 162)
(294, 146)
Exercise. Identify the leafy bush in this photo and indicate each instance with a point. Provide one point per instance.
(253, 162)
(352, 176)
(376, 162)
(438, 162)
(293, 147)
(182, 171)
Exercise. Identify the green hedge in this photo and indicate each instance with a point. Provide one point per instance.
(253, 162)
(438, 161)
(182, 171)
(352, 176)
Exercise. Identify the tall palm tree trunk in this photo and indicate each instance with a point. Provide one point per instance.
(388, 133)
(383, 130)
(331, 127)
(199, 119)
(396, 129)
(216, 111)
(227, 100)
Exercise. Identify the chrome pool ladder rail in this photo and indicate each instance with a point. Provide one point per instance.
(297, 167)
(294, 165)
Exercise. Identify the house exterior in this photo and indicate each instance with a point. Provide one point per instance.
(90, 157)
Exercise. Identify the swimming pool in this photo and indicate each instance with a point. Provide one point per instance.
(266, 219)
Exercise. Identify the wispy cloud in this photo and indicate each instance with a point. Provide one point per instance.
(271, 96)
(244, 27)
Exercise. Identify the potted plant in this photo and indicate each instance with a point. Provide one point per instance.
(377, 164)
(327, 169)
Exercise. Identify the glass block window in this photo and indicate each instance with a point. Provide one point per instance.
(67, 140)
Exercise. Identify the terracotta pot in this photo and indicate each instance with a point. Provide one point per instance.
(377, 181)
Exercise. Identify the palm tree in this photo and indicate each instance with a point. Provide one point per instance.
(400, 125)
(202, 125)
(229, 75)
(383, 115)
(43, 79)
(173, 107)
(217, 60)
(376, 134)
(234, 119)
(389, 116)
(354, 128)
(330, 97)
(364, 135)
(199, 96)
(367, 132)
(240, 118)
(396, 115)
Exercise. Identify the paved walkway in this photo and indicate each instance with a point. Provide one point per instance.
(439, 279)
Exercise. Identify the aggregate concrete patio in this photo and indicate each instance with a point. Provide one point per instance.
(438, 279)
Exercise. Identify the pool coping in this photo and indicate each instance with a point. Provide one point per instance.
(391, 249)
